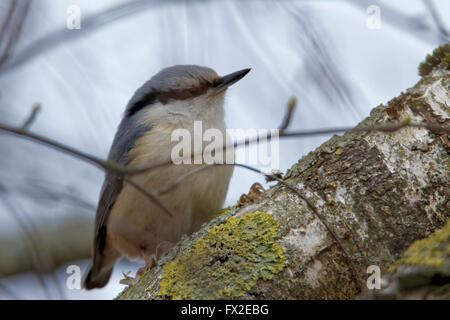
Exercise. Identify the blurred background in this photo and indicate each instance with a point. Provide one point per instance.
(339, 58)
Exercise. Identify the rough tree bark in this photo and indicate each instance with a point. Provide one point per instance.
(378, 191)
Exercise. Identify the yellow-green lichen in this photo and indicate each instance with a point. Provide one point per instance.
(433, 251)
(228, 261)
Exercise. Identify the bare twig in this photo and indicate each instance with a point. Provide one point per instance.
(8, 291)
(321, 69)
(31, 117)
(90, 23)
(122, 10)
(53, 144)
(121, 170)
(50, 190)
(127, 170)
(152, 196)
(106, 165)
(387, 127)
(322, 218)
(183, 178)
(288, 116)
(413, 25)
(31, 244)
(7, 21)
(12, 27)
(443, 32)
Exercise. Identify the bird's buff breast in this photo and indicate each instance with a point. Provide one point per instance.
(136, 225)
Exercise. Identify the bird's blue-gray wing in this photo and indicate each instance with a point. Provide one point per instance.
(128, 133)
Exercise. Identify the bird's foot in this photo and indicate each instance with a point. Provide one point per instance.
(162, 247)
(150, 262)
(127, 280)
(255, 190)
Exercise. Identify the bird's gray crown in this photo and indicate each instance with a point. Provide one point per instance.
(178, 82)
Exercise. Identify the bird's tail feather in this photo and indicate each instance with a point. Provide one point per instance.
(97, 278)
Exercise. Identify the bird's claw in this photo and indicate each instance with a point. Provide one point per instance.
(255, 190)
(127, 280)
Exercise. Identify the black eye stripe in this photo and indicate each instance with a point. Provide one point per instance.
(217, 82)
(165, 96)
(146, 100)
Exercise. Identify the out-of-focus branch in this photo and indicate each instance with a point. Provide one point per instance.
(414, 26)
(35, 248)
(31, 117)
(46, 248)
(151, 195)
(96, 21)
(127, 170)
(39, 261)
(321, 69)
(90, 23)
(443, 32)
(12, 27)
(106, 165)
(288, 116)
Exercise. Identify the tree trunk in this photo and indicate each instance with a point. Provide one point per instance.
(423, 271)
(378, 191)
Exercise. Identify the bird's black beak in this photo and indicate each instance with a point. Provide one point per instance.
(231, 78)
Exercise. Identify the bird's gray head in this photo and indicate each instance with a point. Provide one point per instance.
(182, 83)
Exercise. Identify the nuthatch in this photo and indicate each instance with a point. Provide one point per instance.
(127, 224)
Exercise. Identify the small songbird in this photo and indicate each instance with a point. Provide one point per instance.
(129, 224)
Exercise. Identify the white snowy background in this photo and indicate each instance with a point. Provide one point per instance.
(321, 52)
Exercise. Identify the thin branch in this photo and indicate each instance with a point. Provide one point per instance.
(112, 14)
(29, 121)
(121, 170)
(12, 27)
(387, 127)
(106, 165)
(152, 196)
(53, 144)
(288, 116)
(412, 25)
(7, 21)
(443, 32)
(8, 291)
(37, 256)
(182, 178)
(90, 23)
(127, 170)
(325, 223)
